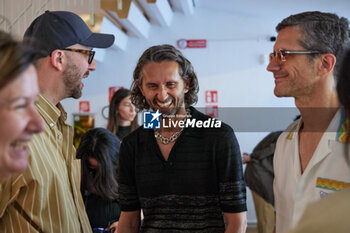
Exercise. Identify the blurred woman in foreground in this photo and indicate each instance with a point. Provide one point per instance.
(19, 118)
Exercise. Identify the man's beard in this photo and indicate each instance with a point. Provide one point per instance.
(72, 79)
(174, 111)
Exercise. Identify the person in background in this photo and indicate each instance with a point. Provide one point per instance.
(184, 179)
(18, 93)
(259, 176)
(122, 117)
(46, 197)
(309, 161)
(331, 214)
(98, 152)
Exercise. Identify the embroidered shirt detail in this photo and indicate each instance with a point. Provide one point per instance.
(341, 132)
(330, 184)
(290, 135)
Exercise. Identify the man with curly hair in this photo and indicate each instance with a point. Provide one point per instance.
(185, 179)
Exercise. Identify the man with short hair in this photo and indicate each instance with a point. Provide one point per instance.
(46, 197)
(309, 161)
(186, 177)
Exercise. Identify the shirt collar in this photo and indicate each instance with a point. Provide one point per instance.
(50, 112)
(335, 131)
(341, 135)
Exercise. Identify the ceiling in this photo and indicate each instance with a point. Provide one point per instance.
(271, 12)
(275, 10)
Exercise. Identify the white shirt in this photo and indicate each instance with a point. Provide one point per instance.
(331, 214)
(327, 171)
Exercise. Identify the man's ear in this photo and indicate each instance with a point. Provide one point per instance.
(57, 59)
(327, 64)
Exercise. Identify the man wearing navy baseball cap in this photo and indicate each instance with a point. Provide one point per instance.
(46, 197)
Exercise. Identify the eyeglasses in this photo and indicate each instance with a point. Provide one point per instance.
(280, 55)
(87, 52)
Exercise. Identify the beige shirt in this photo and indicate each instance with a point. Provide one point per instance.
(46, 197)
(327, 172)
(331, 214)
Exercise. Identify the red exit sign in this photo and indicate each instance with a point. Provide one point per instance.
(84, 106)
(112, 90)
(211, 97)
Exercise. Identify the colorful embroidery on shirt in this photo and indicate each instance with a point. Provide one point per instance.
(341, 133)
(329, 184)
(290, 135)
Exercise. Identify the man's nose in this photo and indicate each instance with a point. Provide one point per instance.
(162, 94)
(273, 66)
(92, 66)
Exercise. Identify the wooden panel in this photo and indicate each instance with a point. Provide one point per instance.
(112, 5)
(20, 13)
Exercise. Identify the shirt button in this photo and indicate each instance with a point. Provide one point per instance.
(52, 124)
(60, 136)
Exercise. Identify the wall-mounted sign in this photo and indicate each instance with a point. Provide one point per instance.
(111, 91)
(183, 43)
(211, 97)
(84, 106)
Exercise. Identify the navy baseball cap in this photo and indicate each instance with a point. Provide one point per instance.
(60, 29)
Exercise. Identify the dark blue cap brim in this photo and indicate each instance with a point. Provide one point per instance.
(99, 40)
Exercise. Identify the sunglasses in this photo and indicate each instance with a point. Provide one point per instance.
(280, 55)
(90, 53)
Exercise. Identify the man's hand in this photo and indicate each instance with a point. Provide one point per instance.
(235, 222)
(245, 158)
(129, 222)
(113, 227)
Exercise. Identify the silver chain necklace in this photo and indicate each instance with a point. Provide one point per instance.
(166, 140)
(173, 137)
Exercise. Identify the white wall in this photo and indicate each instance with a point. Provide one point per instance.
(230, 64)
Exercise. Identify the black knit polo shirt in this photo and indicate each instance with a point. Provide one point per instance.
(189, 192)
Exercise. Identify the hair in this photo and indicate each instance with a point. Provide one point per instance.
(102, 145)
(158, 54)
(113, 116)
(15, 58)
(325, 32)
(343, 86)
